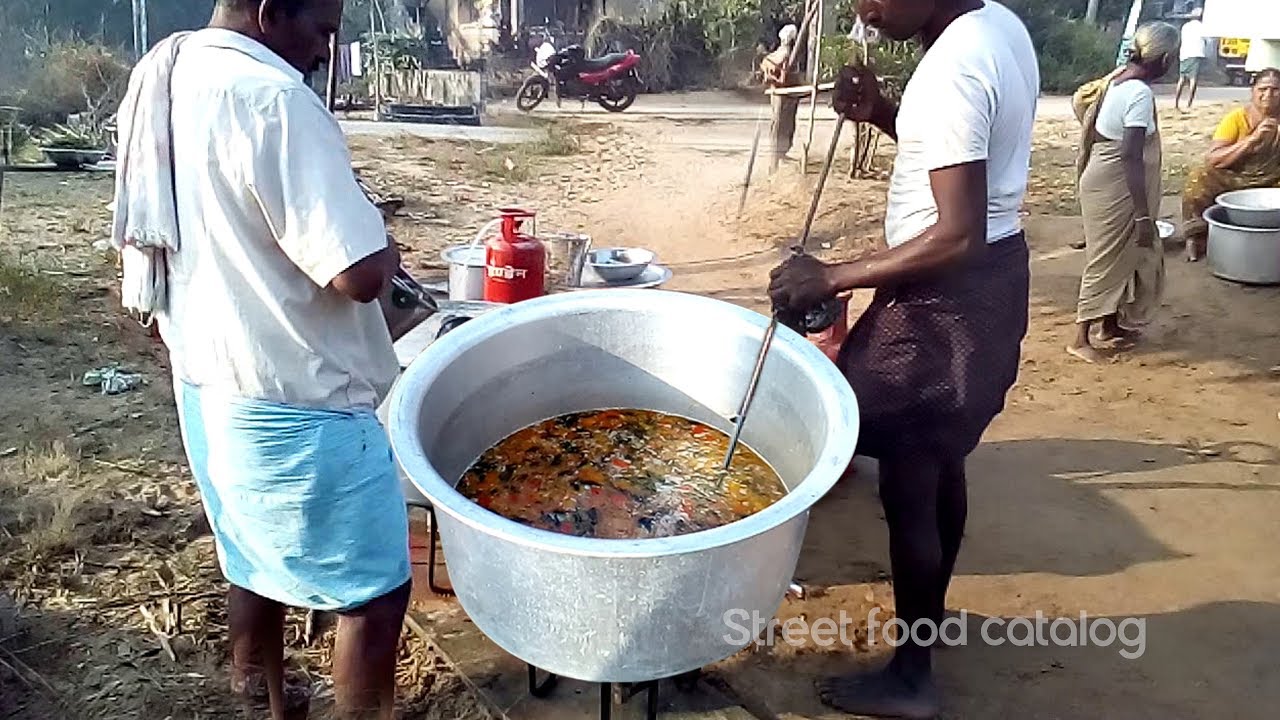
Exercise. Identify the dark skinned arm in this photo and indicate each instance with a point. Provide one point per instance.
(1225, 155)
(960, 192)
(365, 280)
(1135, 170)
(1135, 177)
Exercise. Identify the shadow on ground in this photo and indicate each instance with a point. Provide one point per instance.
(1195, 663)
(1078, 528)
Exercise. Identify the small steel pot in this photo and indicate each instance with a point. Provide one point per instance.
(466, 271)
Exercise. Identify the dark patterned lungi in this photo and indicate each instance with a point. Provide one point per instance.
(931, 362)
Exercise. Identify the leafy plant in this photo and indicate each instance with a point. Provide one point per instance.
(1071, 52)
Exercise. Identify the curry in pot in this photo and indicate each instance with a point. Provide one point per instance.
(621, 474)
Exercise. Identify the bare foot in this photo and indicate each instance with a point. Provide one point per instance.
(1117, 333)
(881, 694)
(1193, 252)
(1087, 353)
(251, 687)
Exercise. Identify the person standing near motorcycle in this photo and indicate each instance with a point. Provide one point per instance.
(778, 73)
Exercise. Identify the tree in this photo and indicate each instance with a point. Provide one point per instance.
(1091, 13)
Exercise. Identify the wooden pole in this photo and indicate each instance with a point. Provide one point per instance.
(815, 46)
(810, 7)
(377, 66)
(331, 85)
(751, 162)
(142, 19)
(137, 33)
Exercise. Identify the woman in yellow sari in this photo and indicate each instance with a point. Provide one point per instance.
(1245, 154)
(1119, 188)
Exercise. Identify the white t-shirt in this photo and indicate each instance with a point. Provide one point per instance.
(972, 98)
(1129, 104)
(1192, 40)
(269, 212)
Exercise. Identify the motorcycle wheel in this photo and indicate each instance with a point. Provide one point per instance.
(534, 90)
(619, 97)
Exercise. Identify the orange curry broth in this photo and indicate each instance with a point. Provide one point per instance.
(620, 474)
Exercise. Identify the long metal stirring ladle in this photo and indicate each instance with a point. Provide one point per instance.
(799, 249)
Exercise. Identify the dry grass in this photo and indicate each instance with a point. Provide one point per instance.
(527, 161)
(25, 293)
(43, 512)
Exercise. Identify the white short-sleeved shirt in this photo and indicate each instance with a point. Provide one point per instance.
(269, 213)
(973, 97)
(1192, 40)
(1129, 104)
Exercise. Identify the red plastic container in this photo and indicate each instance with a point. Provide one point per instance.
(515, 263)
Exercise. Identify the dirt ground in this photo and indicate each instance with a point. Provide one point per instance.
(1145, 487)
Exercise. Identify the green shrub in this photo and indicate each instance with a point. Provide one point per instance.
(1071, 52)
(894, 61)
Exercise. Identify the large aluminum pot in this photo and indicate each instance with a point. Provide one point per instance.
(620, 610)
(1242, 254)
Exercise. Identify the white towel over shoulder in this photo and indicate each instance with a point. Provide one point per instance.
(145, 224)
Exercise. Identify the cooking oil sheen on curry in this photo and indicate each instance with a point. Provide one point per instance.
(621, 474)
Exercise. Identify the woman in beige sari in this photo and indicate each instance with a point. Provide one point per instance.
(1119, 186)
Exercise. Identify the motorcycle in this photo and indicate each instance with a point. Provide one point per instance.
(609, 80)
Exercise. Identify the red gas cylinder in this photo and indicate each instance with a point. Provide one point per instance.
(515, 264)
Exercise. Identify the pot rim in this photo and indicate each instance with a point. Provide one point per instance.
(839, 405)
(1238, 193)
(1208, 216)
(461, 253)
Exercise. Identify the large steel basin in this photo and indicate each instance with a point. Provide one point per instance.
(619, 610)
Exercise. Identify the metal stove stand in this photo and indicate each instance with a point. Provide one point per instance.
(616, 693)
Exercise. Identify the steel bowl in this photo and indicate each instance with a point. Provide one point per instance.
(1257, 208)
(617, 265)
(1242, 254)
(620, 610)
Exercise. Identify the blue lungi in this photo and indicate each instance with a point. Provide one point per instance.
(305, 504)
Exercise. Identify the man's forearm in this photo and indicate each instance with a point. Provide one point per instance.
(933, 251)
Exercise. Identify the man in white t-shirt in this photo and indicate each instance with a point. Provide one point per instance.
(933, 357)
(1192, 59)
(279, 348)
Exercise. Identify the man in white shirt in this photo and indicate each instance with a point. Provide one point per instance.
(1192, 59)
(933, 357)
(280, 352)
